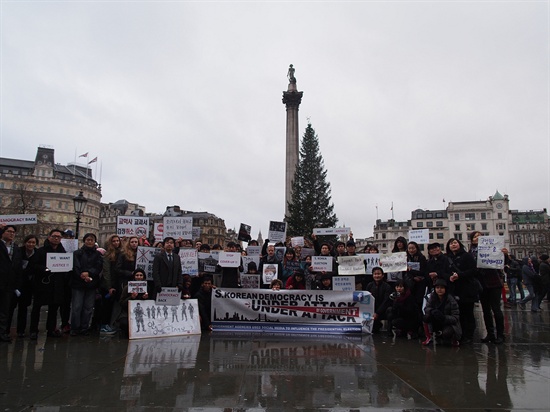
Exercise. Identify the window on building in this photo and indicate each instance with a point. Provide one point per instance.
(483, 216)
(429, 215)
(484, 226)
(438, 214)
(420, 215)
(419, 224)
(500, 215)
(384, 245)
(457, 227)
(440, 235)
(429, 224)
(383, 235)
(431, 235)
(458, 236)
(501, 226)
(470, 216)
(439, 223)
(470, 226)
(457, 216)
(1, 185)
(376, 236)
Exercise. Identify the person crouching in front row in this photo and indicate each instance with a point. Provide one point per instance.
(442, 316)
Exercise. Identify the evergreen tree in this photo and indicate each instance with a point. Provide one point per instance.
(310, 204)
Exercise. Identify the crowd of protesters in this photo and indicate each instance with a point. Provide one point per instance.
(433, 299)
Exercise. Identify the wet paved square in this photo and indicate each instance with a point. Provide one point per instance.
(263, 372)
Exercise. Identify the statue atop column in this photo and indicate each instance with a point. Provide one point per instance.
(290, 74)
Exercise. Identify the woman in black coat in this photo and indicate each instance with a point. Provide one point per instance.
(464, 286)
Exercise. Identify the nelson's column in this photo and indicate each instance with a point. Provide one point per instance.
(292, 99)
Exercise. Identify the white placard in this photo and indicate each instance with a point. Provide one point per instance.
(393, 262)
(144, 259)
(132, 226)
(189, 261)
(343, 283)
(168, 296)
(229, 259)
(70, 245)
(146, 319)
(253, 250)
(177, 227)
(158, 232)
(297, 241)
(351, 265)
(277, 232)
(137, 286)
(19, 219)
(489, 252)
(420, 236)
(207, 262)
(59, 262)
(321, 263)
(332, 231)
(247, 260)
(372, 260)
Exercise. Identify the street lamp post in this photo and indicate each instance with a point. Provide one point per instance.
(79, 205)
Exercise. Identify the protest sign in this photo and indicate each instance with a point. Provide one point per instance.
(247, 260)
(178, 226)
(158, 232)
(148, 319)
(132, 226)
(168, 296)
(420, 236)
(70, 245)
(393, 262)
(489, 252)
(229, 259)
(59, 262)
(253, 250)
(277, 232)
(144, 259)
(196, 232)
(313, 311)
(189, 261)
(351, 265)
(413, 265)
(280, 253)
(329, 231)
(135, 286)
(207, 262)
(343, 283)
(269, 273)
(321, 263)
(372, 260)
(244, 233)
(19, 219)
(297, 241)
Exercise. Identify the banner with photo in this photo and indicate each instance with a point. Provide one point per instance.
(146, 319)
(250, 281)
(489, 252)
(270, 272)
(248, 259)
(208, 262)
(277, 232)
(312, 311)
(244, 233)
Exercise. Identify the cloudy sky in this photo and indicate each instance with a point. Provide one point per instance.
(413, 102)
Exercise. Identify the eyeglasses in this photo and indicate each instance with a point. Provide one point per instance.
(55, 237)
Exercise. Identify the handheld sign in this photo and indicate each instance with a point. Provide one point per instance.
(332, 231)
(229, 259)
(351, 265)
(169, 297)
(18, 219)
(489, 252)
(277, 231)
(269, 273)
(420, 236)
(189, 262)
(59, 262)
(177, 227)
(135, 286)
(393, 262)
(132, 226)
(321, 263)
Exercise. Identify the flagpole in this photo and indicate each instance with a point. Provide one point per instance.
(392, 211)
(74, 163)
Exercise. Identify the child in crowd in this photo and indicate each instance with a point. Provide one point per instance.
(442, 316)
(403, 316)
(296, 281)
(276, 284)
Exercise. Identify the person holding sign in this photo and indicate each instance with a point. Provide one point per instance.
(416, 275)
(49, 288)
(138, 275)
(88, 264)
(10, 264)
(490, 296)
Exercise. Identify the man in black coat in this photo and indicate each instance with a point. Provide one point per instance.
(10, 265)
(167, 267)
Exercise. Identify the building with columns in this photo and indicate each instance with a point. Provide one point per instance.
(46, 188)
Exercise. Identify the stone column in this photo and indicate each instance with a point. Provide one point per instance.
(292, 99)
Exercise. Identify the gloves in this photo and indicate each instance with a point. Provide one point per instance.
(437, 315)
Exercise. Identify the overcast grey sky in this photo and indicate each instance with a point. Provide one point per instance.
(413, 102)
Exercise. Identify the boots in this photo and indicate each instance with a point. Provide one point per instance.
(428, 334)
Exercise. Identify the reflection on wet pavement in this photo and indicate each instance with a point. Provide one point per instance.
(263, 372)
